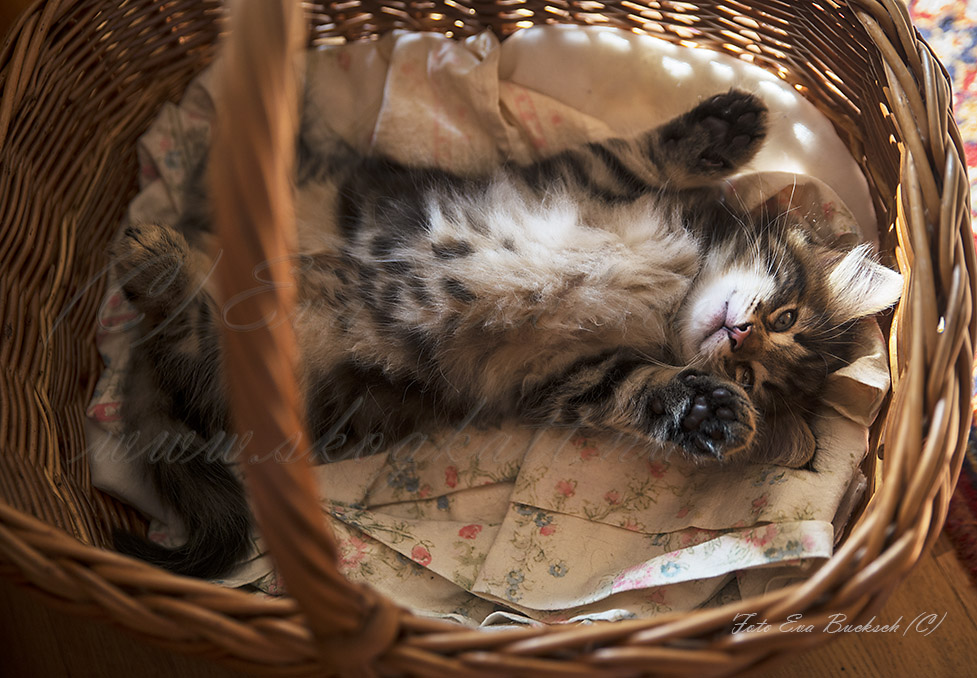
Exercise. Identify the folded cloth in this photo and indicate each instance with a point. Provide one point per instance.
(514, 525)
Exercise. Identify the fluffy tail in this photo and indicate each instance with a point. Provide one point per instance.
(210, 501)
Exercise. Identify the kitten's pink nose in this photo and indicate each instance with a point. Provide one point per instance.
(738, 334)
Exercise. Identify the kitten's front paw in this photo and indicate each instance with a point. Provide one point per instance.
(719, 135)
(714, 416)
(152, 266)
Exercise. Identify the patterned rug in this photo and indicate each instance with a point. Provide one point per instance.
(950, 27)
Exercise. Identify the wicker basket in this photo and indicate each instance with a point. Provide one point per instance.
(82, 79)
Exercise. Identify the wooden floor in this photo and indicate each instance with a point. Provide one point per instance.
(38, 643)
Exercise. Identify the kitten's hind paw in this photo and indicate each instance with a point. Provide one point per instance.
(152, 265)
(716, 137)
(714, 417)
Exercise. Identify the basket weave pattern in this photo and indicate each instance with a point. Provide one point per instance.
(81, 80)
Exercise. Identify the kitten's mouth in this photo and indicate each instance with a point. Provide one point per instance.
(714, 335)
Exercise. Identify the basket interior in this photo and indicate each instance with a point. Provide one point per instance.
(112, 69)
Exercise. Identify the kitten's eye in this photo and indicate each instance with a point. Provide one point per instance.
(784, 321)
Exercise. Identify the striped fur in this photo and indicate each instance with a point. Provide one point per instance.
(607, 287)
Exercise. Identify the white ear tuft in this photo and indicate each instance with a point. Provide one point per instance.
(859, 286)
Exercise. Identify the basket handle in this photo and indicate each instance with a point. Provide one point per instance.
(250, 170)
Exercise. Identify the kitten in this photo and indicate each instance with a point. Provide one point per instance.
(608, 287)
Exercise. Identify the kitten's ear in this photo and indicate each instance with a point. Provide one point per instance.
(858, 286)
(787, 441)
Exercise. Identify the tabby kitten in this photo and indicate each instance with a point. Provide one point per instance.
(607, 286)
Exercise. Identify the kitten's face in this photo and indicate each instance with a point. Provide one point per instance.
(776, 314)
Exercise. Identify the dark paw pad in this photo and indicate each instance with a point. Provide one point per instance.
(721, 133)
(717, 418)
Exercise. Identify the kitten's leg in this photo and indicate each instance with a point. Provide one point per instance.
(711, 141)
(174, 410)
(694, 150)
(155, 268)
(620, 391)
(176, 342)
